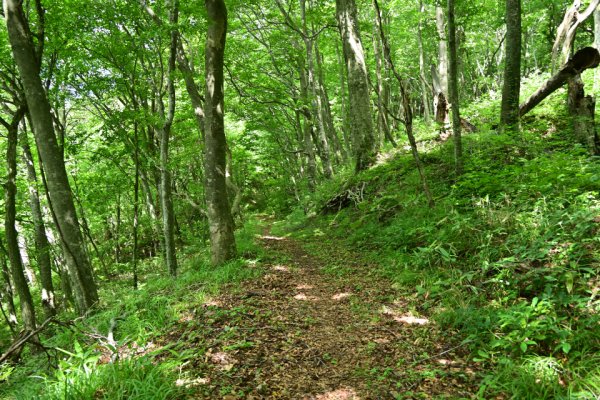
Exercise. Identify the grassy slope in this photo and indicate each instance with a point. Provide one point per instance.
(140, 318)
(509, 255)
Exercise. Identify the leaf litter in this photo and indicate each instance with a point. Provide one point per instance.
(300, 333)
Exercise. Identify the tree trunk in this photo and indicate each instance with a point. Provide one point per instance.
(344, 103)
(42, 245)
(382, 115)
(219, 212)
(441, 75)
(317, 106)
(166, 198)
(408, 116)
(136, 205)
(582, 110)
(340, 153)
(453, 89)
(59, 190)
(511, 89)
(307, 127)
(10, 230)
(597, 46)
(565, 34)
(425, 87)
(6, 291)
(361, 122)
(586, 58)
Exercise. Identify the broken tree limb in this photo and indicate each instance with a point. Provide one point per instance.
(23, 339)
(585, 58)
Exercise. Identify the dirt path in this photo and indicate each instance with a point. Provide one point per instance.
(301, 333)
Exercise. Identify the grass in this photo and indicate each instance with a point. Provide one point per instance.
(508, 257)
(79, 367)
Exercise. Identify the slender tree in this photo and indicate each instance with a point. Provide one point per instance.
(42, 246)
(453, 89)
(166, 198)
(361, 121)
(219, 212)
(408, 115)
(59, 190)
(509, 114)
(12, 241)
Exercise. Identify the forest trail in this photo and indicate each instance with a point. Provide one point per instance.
(303, 332)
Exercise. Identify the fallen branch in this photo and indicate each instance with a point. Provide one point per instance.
(26, 336)
(585, 58)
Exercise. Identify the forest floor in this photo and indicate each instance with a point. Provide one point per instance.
(317, 325)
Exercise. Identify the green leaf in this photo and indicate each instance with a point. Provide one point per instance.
(523, 347)
(569, 281)
(566, 347)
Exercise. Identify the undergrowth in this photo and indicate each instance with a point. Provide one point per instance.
(508, 257)
(82, 363)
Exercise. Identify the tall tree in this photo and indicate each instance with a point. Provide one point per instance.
(12, 240)
(166, 200)
(453, 89)
(361, 122)
(59, 190)
(408, 114)
(511, 89)
(42, 246)
(221, 223)
(6, 292)
(440, 76)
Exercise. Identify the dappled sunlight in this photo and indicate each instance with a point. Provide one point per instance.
(340, 394)
(304, 287)
(303, 297)
(186, 316)
(126, 351)
(407, 318)
(411, 320)
(281, 268)
(192, 382)
(213, 303)
(222, 359)
(341, 296)
(272, 238)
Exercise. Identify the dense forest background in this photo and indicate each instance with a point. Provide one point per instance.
(446, 150)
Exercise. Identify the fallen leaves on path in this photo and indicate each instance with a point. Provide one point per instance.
(299, 333)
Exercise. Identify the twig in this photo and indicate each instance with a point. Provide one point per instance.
(19, 343)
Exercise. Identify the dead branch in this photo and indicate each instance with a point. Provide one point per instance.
(18, 344)
(585, 58)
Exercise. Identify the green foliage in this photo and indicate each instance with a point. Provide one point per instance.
(507, 258)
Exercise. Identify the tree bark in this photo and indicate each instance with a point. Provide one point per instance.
(361, 122)
(425, 87)
(307, 127)
(586, 58)
(166, 197)
(582, 110)
(42, 245)
(315, 100)
(340, 152)
(453, 89)
(565, 34)
(6, 291)
(59, 190)
(222, 238)
(441, 75)
(382, 116)
(10, 230)
(511, 89)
